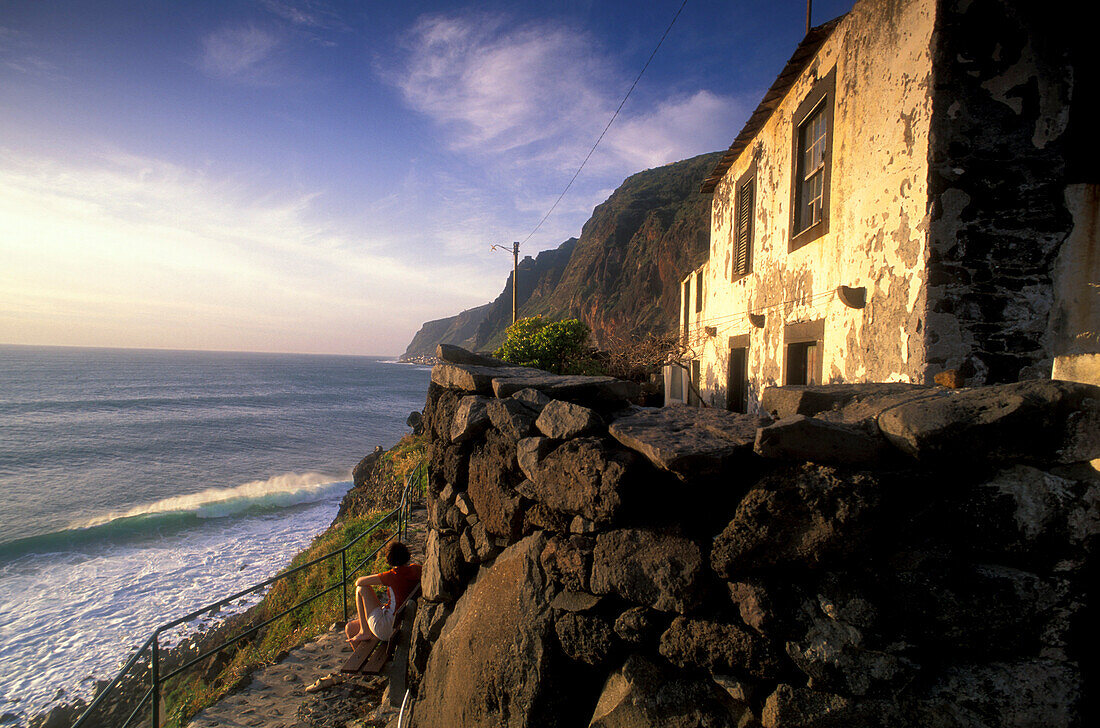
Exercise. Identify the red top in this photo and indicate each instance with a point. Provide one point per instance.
(399, 581)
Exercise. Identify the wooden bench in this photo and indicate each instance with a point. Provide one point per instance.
(371, 655)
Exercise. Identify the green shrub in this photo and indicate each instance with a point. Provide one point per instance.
(556, 346)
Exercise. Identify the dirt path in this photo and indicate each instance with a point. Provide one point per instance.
(277, 697)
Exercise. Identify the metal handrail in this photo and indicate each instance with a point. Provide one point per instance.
(401, 513)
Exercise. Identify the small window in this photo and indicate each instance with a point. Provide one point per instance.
(812, 154)
(743, 214)
(811, 169)
(804, 347)
(698, 291)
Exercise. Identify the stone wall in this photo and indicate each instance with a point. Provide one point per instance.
(1003, 88)
(866, 555)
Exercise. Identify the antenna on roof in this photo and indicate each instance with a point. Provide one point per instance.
(809, 12)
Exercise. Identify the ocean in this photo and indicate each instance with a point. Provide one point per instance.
(138, 485)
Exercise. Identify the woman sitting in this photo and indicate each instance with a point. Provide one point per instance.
(399, 582)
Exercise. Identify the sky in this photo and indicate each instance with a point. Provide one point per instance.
(323, 177)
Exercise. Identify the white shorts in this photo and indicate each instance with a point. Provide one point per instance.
(380, 622)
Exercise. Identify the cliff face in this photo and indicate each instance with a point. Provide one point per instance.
(880, 554)
(621, 277)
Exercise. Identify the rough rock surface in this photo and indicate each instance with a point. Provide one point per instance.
(806, 438)
(585, 477)
(855, 401)
(474, 379)
(584, 637)
(470, 419)
(493, 672)
(687, 439)
(492, 473)
(532, 399)
(718, 647)
(657, 570)
(593, 391)
(511, 417)
(1033, 419)
(564, 420)
(642, 694)
(806, 515)
(530, 451)
(457, 355)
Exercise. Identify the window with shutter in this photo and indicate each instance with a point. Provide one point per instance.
(743, 211)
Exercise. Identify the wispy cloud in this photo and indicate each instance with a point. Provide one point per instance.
(542, 94)
(136, 251)
(306, 13)
(240, 53)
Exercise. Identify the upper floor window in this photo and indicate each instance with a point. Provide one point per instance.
(742, 228)
(699, 291)
(812, 151)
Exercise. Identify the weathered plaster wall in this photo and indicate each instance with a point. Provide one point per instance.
(878, 215)
(1075, 321)
(1003, 86)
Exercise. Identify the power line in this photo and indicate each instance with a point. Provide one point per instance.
(609, 123)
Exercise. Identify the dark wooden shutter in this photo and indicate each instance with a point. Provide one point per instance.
(744, 227)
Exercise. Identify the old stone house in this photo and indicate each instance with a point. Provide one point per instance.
(914, 194)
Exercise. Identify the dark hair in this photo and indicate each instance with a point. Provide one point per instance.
(397, 554)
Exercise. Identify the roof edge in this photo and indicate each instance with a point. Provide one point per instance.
(798, 62)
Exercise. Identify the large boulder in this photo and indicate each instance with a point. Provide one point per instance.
(586, 477)
(599, 392)
(475, 379)
(805, 516)
(511, 418)
(1040, 420)
(643, 694)
(457, 355)
(492, 475)
(470, 419)
(719, 648)
(530, 451)
(492, 664)
(833, 654)
(1018, 694)
(650, 568)
(565, 420)
(688, 440)
(1033, 515)
(845, 402)
(442, 571)
(807, 438)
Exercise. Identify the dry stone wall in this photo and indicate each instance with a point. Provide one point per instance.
(864, 555)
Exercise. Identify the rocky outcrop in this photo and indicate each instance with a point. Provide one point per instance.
(849, 563)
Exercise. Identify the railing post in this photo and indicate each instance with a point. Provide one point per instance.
(155, 672)
(344, 580)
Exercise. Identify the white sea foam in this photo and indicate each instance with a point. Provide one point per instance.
(66, 616)
(281, 491)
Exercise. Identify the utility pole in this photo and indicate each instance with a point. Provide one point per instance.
(515, 272)
(809, 12)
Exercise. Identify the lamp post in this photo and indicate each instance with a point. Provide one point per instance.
(515, 272)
